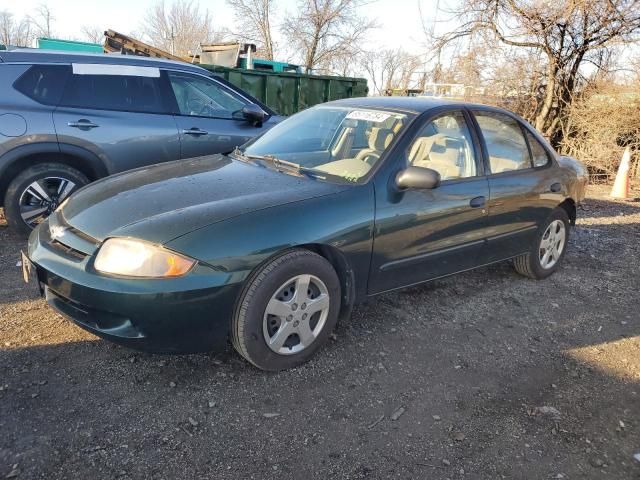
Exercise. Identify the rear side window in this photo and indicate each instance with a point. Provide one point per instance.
(539, 154)
(43, 83)
(114, 92)
(505, 142)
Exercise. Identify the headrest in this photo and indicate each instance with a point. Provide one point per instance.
(422, 146)
(380, 138)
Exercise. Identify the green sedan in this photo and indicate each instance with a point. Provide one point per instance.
(270, 245)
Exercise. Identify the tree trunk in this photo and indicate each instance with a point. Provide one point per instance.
(542, 118)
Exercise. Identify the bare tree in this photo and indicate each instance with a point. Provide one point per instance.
(92, 33)
(566, 32)
(603, 121)
(466, 67)
(389, 69)
(323, 30)
(15, 32)
(180, 28)
(254, 18)
(42, 21)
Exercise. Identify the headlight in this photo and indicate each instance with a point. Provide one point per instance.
(133, 258)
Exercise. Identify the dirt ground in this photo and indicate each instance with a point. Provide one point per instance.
(486, 375)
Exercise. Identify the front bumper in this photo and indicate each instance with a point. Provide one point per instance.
(179, 315)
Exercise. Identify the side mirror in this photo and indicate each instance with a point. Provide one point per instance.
(418, 178)
(254, 114)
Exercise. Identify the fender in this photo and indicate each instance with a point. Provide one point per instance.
(24, 151)
(83, 160)
(80, 158)
(94, 163)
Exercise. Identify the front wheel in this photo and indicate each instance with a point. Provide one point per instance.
(548, 248)
(287, 311)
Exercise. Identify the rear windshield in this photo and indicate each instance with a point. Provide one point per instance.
(43, 83)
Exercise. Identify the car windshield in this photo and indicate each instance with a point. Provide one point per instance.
(332, 142)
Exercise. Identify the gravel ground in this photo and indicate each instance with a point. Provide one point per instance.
(485, 375)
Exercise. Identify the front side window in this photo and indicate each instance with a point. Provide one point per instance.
(538, 153)
(203, 97)
(506, 145)
(342, 143)
(445, 145)
(128, 93)
(44, 83)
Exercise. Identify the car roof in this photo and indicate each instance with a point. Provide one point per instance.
(405, 104)
(36, 55)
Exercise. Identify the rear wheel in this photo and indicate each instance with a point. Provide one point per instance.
(548, 248)
(36, 192)
(287, 311)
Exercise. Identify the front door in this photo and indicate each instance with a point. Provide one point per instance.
(209, 116)
(118, 113)
(425, 234)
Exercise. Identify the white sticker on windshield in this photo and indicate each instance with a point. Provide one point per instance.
(107, 69)
(368, 116)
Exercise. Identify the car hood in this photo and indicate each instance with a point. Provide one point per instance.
(162, 202)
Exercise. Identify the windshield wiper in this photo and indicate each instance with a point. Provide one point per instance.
(279, 164)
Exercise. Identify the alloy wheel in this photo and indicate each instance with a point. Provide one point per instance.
(42, 197)
(296, 314)
(552, 244)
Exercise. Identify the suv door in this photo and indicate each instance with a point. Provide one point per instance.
(522, 192)
(120, 113)
(424, 234)
(208, 115)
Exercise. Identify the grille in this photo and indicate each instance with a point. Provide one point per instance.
(68, 250)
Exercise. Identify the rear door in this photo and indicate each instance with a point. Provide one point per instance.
(425, 234)
(119, 113)
(523, 183)
(208, 115)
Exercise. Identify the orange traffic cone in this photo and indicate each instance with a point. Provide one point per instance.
(621, 185)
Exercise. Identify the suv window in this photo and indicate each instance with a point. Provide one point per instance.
(202, 97)
(505, 142)
(43, 83)
(539, 154)
(445, 145)
(114, 92)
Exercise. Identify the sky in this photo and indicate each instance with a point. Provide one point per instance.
(399, 20)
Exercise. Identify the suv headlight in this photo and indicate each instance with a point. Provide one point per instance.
(134, 258)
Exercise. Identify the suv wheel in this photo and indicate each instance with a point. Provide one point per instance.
(36, 192)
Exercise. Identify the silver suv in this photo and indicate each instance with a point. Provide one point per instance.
(68, 119)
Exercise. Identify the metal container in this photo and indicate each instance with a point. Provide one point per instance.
(288, 93)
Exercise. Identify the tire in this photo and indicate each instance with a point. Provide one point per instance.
(274, 287)
(532, 264)
(50, 177)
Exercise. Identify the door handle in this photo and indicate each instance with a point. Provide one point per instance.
(195, 131)
(556, 187)
(478, 202)
(82, 123)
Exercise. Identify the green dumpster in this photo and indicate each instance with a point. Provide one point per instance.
(288, 93)
(69, 45)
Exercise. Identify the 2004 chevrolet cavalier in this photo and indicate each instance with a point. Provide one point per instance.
(271, 244)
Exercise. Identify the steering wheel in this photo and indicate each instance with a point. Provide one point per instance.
(196, 106)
